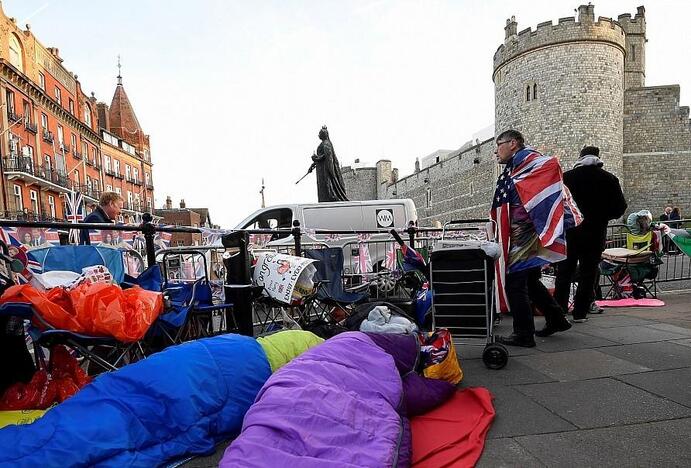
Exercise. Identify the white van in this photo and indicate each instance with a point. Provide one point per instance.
(369, 215)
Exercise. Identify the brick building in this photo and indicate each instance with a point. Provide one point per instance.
(183, 216)
(51, 138)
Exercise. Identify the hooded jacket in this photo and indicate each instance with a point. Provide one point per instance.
(597, 193)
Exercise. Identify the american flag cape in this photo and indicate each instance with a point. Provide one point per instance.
(74, 202)
(538, 182)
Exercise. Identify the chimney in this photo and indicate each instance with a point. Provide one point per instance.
(417, 164)
(586, 14)
(510, 28)
(169, 203)
(103, 116)
(182, 204)
(55, 52)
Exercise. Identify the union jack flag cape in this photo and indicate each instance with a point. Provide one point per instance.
(535, 181)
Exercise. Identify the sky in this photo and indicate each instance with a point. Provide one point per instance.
(235, 91)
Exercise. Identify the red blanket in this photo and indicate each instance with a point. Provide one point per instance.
(453, 434)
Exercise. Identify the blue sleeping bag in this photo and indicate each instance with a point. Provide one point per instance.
(181, 401)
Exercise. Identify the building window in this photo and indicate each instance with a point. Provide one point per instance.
(116, 167)
(129, 199)
(127, 171)
(51, 205)
(16, 56)
(429, 198)
(85, 150)
(18, 205)
(135, 174)
(77, 179)
(106, 163)
(87, 114)
(73, 140)
(10, 101)
(61, 136)
(147, 178)
(33, 196)
(71, 106)
(118, 190)
(109, 188)
(527, 93)
(534, 91)
(44, 122)
(27, 112)
(48, 165)
(28, 152)
(633, 52)
(58, 95)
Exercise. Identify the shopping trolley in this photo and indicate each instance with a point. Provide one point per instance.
(462, 281)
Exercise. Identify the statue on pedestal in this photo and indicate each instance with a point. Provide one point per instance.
(330, 186)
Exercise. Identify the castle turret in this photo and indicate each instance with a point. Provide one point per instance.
(562, 86)
(634, 63)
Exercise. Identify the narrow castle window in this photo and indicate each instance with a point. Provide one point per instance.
(429, 197)
(535, 91)
(527, 93)
(633, 52)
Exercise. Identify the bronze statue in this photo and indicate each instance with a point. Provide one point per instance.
(330, 186)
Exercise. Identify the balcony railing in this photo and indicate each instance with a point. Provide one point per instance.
(149, 186)
(48, 136)
(88, 162)
(21, 215)
(109, 172)
(64, 147)
(89, 191)
(14, 117)
(118, 175)
(76, 154)
(30, 127)
(133, 180)
(27, 166)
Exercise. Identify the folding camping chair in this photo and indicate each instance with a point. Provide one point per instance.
(330, 293)
(191, 312)
(631, 271)
(105, 352)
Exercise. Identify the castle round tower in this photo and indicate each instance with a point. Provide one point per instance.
(562, 86)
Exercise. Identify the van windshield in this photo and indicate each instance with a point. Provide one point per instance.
(280, 218)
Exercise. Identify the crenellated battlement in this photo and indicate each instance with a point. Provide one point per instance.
(568, 29)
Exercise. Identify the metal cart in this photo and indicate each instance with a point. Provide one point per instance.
(462, 281)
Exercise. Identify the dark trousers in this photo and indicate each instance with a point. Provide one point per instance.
(523, 290)
(584, 253)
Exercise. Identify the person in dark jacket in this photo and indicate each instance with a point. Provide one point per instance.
(108, 209)
(599, 197)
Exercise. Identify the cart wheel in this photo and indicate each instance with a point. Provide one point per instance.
(495, 356)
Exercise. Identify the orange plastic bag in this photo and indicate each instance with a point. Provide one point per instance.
(94, 309)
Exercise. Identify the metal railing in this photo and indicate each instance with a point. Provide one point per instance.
(30, 127)
(27, 166)
(48, 136)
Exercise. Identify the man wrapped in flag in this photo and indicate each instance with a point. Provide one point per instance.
(533, 210)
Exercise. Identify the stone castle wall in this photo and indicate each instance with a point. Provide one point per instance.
(586, 81)
(657, 149)
(360, 183)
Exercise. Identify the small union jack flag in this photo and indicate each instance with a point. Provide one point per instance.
(74, 203)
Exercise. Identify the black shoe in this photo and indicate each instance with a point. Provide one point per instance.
(552, 329)
(517, 340)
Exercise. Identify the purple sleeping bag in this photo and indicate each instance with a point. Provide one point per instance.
(339, 404)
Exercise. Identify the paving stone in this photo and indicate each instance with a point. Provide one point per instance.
(673, 384)
(467, 351)
(580, 364)
(664, 443)
(506, 453)
(571, 339)
(672, 328)
(682, 342)
(606, 320)
(602, 402)
(633, 334)
(516, 414)
(659, 355)
(475, 374)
